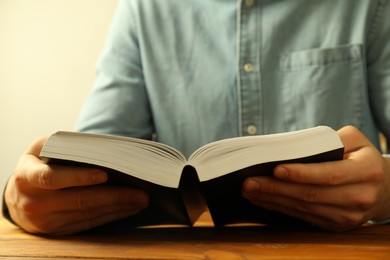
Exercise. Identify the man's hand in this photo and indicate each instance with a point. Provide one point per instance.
(58, 200)
(336, 195)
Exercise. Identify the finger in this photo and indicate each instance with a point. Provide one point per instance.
(326, 173)
(64, 223)
(73, 210)
(104, 196)
(362, 163)
(32, 172)
(365, 167)
(357, 196)
(36, 146)
(43, 176)
(99, 220)
(86, 200)
(324, 216)
(352, 139)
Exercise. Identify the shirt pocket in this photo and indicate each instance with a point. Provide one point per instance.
(323, 87)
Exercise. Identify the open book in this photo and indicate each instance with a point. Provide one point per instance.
(210, 179)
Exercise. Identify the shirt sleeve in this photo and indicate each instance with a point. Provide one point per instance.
(4, 209)
(378, 66)
(119, 103)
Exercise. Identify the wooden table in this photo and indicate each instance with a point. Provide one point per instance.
(202, 242)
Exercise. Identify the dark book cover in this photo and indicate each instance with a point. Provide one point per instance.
(226, 204)
(220, 196)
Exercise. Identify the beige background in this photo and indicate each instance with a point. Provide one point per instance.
(48, 52)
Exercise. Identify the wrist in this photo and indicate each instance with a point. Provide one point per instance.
(386, 220)
(4, 208)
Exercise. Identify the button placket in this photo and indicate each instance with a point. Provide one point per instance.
(248, 67)
(249, 85)
(251, 130)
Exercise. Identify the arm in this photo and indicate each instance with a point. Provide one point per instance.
(333, 195)
(119, 102)
(53, 199)
(341, 195)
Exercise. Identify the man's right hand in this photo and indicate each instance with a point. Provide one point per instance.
(60, 200)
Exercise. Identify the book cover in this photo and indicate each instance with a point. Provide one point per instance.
(211, 179)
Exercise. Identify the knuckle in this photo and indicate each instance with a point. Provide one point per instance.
(84, 201)
(31, 208)
(45, 178)
(37, 224)
(302, 206)
(351, 220)
(28, 206)
(42, 226)
(18, 180)
(309, 193)
(375, 169)
(365, 200)
(267, 186)
(19, 177)
(271, 189)
(367, 204)
(377, 172)
(335, 178)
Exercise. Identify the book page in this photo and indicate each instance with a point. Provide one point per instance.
(219, 158)
(143, 159)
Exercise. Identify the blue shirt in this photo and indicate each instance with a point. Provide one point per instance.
(188, 72)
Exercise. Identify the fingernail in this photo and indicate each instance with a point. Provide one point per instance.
(251, 186)
(281, 173)
(99, 177)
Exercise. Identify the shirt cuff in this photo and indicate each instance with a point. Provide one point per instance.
(380, 222)
(385, 221)
(5, 211)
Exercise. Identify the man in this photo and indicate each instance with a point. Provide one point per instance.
(190, 72)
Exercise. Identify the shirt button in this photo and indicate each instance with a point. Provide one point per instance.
(251, 129)
(249, 3)
(248, 67)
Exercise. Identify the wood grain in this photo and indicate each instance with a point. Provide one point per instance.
(202, 242)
